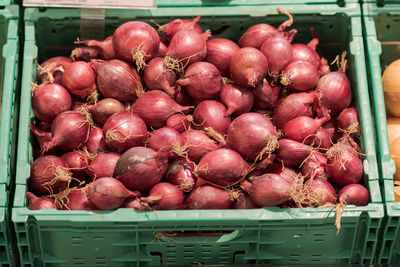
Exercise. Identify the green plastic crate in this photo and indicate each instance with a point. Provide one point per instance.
(382, 33)
(178, 238)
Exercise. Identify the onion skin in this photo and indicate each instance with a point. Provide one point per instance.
(49, 72)
(134, 36)
(38, 203)
(103, 109)
(162, 107)
(103, 165)
(187, 46)
(165, 139)
(41, 136)
(77, 104)
(346, 168)
(179, 122)
(354, 194)
(157, 77)
(69, 130)
(278, 51)
(176, 25)
(348, 118)
(223, 167)
(202, 81)
(49, 100)
(211, 113)
(292, 153)
(84, 54)
(248, 67)
(108, 193)
(322, 192)
(162, 50)
(171, 196)
(266, 96)
(238, 99)
(78, 200)
(267, 190)
(306, 53)
(314, 166)
(243, 202)
(79, 79)
(335, 91)
(117, 79)
(180, 173)
(43, 170)
(390, 84)
(256, 35)
(105, 48)
(96, 142)
(140, 168)
(220, 52)
(322, 139)
(182, 98)
(249, 134)
(77, 162)
(198, 144)
(292, 106)
(208, 197)
(124, 130)
(300, 76)
(301, 128)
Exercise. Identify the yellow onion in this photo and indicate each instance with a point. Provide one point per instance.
(391, 88)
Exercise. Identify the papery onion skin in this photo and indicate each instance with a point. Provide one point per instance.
(211, 113)
(176, 25)
(103, 109)
(348, 117)
(180, 173)
(38, 203)
(198, 144)
(77, 162)
(265, 95)
(157, 77)
(322, 192)
(244, 202)
(165, 138)
(354, 194)
(278, 51)
(96, 142)
(390, 84)
(256, 35)
(238, 99)
(49, 72)
(302, 128)
(105, 48)
(179, 122)
(78, 200)
(208, 197)
(306, 53)
(314, 166)
(103, 165)
(171, 196)
(300, 76)
(292, 153)
(84, 54)
(79, 79)
(220, 52)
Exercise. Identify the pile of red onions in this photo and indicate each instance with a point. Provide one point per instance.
(187, 122)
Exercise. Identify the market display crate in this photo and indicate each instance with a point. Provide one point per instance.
(382, 35)
(9, 54)
(178, 238)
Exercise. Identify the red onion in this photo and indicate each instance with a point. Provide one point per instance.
(239, 100)
(162, 50)
(266, 96)
(170, 197)
(186, 47)
(220, 52)
(244, 202)
(105, 48)
(223, 167)
(117, 79)
(302, 128)
(180, 173)
(162, 107)
(49, 174)
(69, 130)
(201, 81)
(50, 72)
(78, 200)
(84, 54)
(95, 142)
(108, 193)
(252, 135)
(300, 76)
(157, 77)
(38, 203)
(354, 194)
(314, 166)
(267, 190)
(77, 162)
(176, 25)
(278, 51)
(211, 114)
(124, 130)
(306, 53)
(141, 168)
(292, 153)
(322, 139)
(103, 109)
(41, 136)
(348, 120)
(77, 104)
(335, 91)
(256, 35)
(135, 203)
(79, 79)
(136, 41)
(103, 165)
(179, 122)
(287, 174)
(208, 197)
(292, 106)
(200, 182)
(44, 126)
(344, 166)
(49, 100)
(198, 144)
(167, 139)
(182, 98)
(248, 67)
(318, 192)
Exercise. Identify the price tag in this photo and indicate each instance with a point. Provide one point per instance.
(121, 4)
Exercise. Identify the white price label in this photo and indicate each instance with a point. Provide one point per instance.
(130, 4)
